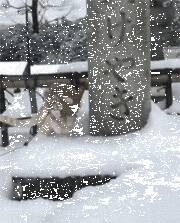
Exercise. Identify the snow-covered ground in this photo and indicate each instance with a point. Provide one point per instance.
(146, 162)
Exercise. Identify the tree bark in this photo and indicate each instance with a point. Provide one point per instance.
(35, 21)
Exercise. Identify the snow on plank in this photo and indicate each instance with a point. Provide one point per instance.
(75, 67)
(44, 75)
(17, 68)
(12, 68)
(165, 64)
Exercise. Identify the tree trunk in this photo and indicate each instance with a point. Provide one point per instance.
(35, 20)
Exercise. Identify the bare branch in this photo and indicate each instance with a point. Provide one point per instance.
(6, 4)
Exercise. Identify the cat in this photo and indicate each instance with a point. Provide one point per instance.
(58, 112)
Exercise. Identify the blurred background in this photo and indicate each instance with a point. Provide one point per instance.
(57, 30)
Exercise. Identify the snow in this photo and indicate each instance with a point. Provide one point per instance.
(176, 90)
(60, 68)
(20, 104)
(17, 68)
(146, 162)
(12, 68)
(71, 8)
(165, 64)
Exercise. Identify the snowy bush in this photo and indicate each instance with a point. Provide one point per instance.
(56, 43)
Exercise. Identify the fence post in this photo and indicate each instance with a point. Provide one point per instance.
(33, 100)
(4, 128)
(119, 65)
(32, 90)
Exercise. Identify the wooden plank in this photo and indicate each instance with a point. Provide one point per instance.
(43, 80)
